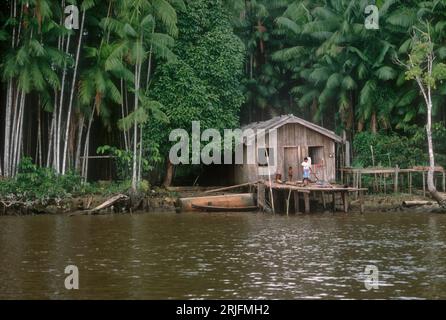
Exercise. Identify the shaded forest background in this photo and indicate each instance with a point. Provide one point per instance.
(136, 69)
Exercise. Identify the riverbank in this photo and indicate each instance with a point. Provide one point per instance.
(165, 200)
(395, 203)
(157, 199)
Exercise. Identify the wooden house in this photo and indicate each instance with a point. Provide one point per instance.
(296, 139)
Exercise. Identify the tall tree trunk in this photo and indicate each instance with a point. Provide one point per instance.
(59, 117)
(6, 148)
(85, 160)
(360, 125)
(135, 131)
(77, 158)
(73, 86)
(430, 175)
(123, 115)
(39, 135)
(373, 123)
(169, 174)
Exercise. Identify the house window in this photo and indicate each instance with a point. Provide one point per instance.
(316, 154)
(264, 155)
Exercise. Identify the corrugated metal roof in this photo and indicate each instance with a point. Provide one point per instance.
(280, 121)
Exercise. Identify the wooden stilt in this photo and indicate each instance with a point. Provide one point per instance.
(261, 196)
(395, 181)
(288, 203)
(361, 202)
(410, 182)
(334, 201)
(296, 202)
(354, 184)
(402, 182)
(424, 184)
(345, 201)
(323, 200)
(307, 202)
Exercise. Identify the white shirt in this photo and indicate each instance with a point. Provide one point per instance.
(306, 165)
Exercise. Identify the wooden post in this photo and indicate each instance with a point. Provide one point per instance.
(395, 182)
(261, 196)
(323, 200)
(296, 202)
(444, 181)
(361, 202)
(424, 184)
(380, 182)
(345, 201)
(307, 202)
(288, 203)
(402, 182)
(334, 201)
(270, 184)
(410, 182)
(354, 184)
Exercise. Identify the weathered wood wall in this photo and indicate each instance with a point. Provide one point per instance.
(293, 143)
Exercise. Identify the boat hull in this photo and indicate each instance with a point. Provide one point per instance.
(224, 202)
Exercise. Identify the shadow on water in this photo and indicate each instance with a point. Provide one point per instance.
(221, 255)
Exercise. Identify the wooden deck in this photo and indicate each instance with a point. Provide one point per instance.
(399, 178)
(284, 191)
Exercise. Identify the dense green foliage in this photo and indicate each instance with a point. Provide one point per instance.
(204, 83)
(43, 184)
(136, 69)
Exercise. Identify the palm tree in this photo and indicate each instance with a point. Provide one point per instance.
(344, 64)
(97, 85)
(29, 66)
(138, 42)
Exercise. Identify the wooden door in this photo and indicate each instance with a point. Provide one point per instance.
(291, 158)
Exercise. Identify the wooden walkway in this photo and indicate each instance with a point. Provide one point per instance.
(380, 175)
(283, 192)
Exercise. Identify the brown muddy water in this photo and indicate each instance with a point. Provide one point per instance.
(224, 256)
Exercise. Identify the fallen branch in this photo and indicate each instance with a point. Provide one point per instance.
(109, 203)
(416, 203)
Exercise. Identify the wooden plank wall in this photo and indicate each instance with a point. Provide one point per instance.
(293, 135)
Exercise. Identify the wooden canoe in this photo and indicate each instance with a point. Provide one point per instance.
(224, 209)
(241, 200)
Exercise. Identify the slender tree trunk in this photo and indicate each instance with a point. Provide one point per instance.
(169, 174)
(430, 175)
(373, 123)
(39, 135)
(135, 131)
(427, 95)
(50, 143)
(73, 86)
(18, 134)
(59, 118)
(123, 115)
(9, 96)
(77, 160)
(13, 138)
(87, 145)
(6, 149)
(140, 153)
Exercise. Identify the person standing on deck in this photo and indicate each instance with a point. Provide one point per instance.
(306, 166)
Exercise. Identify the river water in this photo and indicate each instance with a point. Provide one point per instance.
(213, 256)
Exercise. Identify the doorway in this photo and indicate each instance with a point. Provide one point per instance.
(291, 158)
